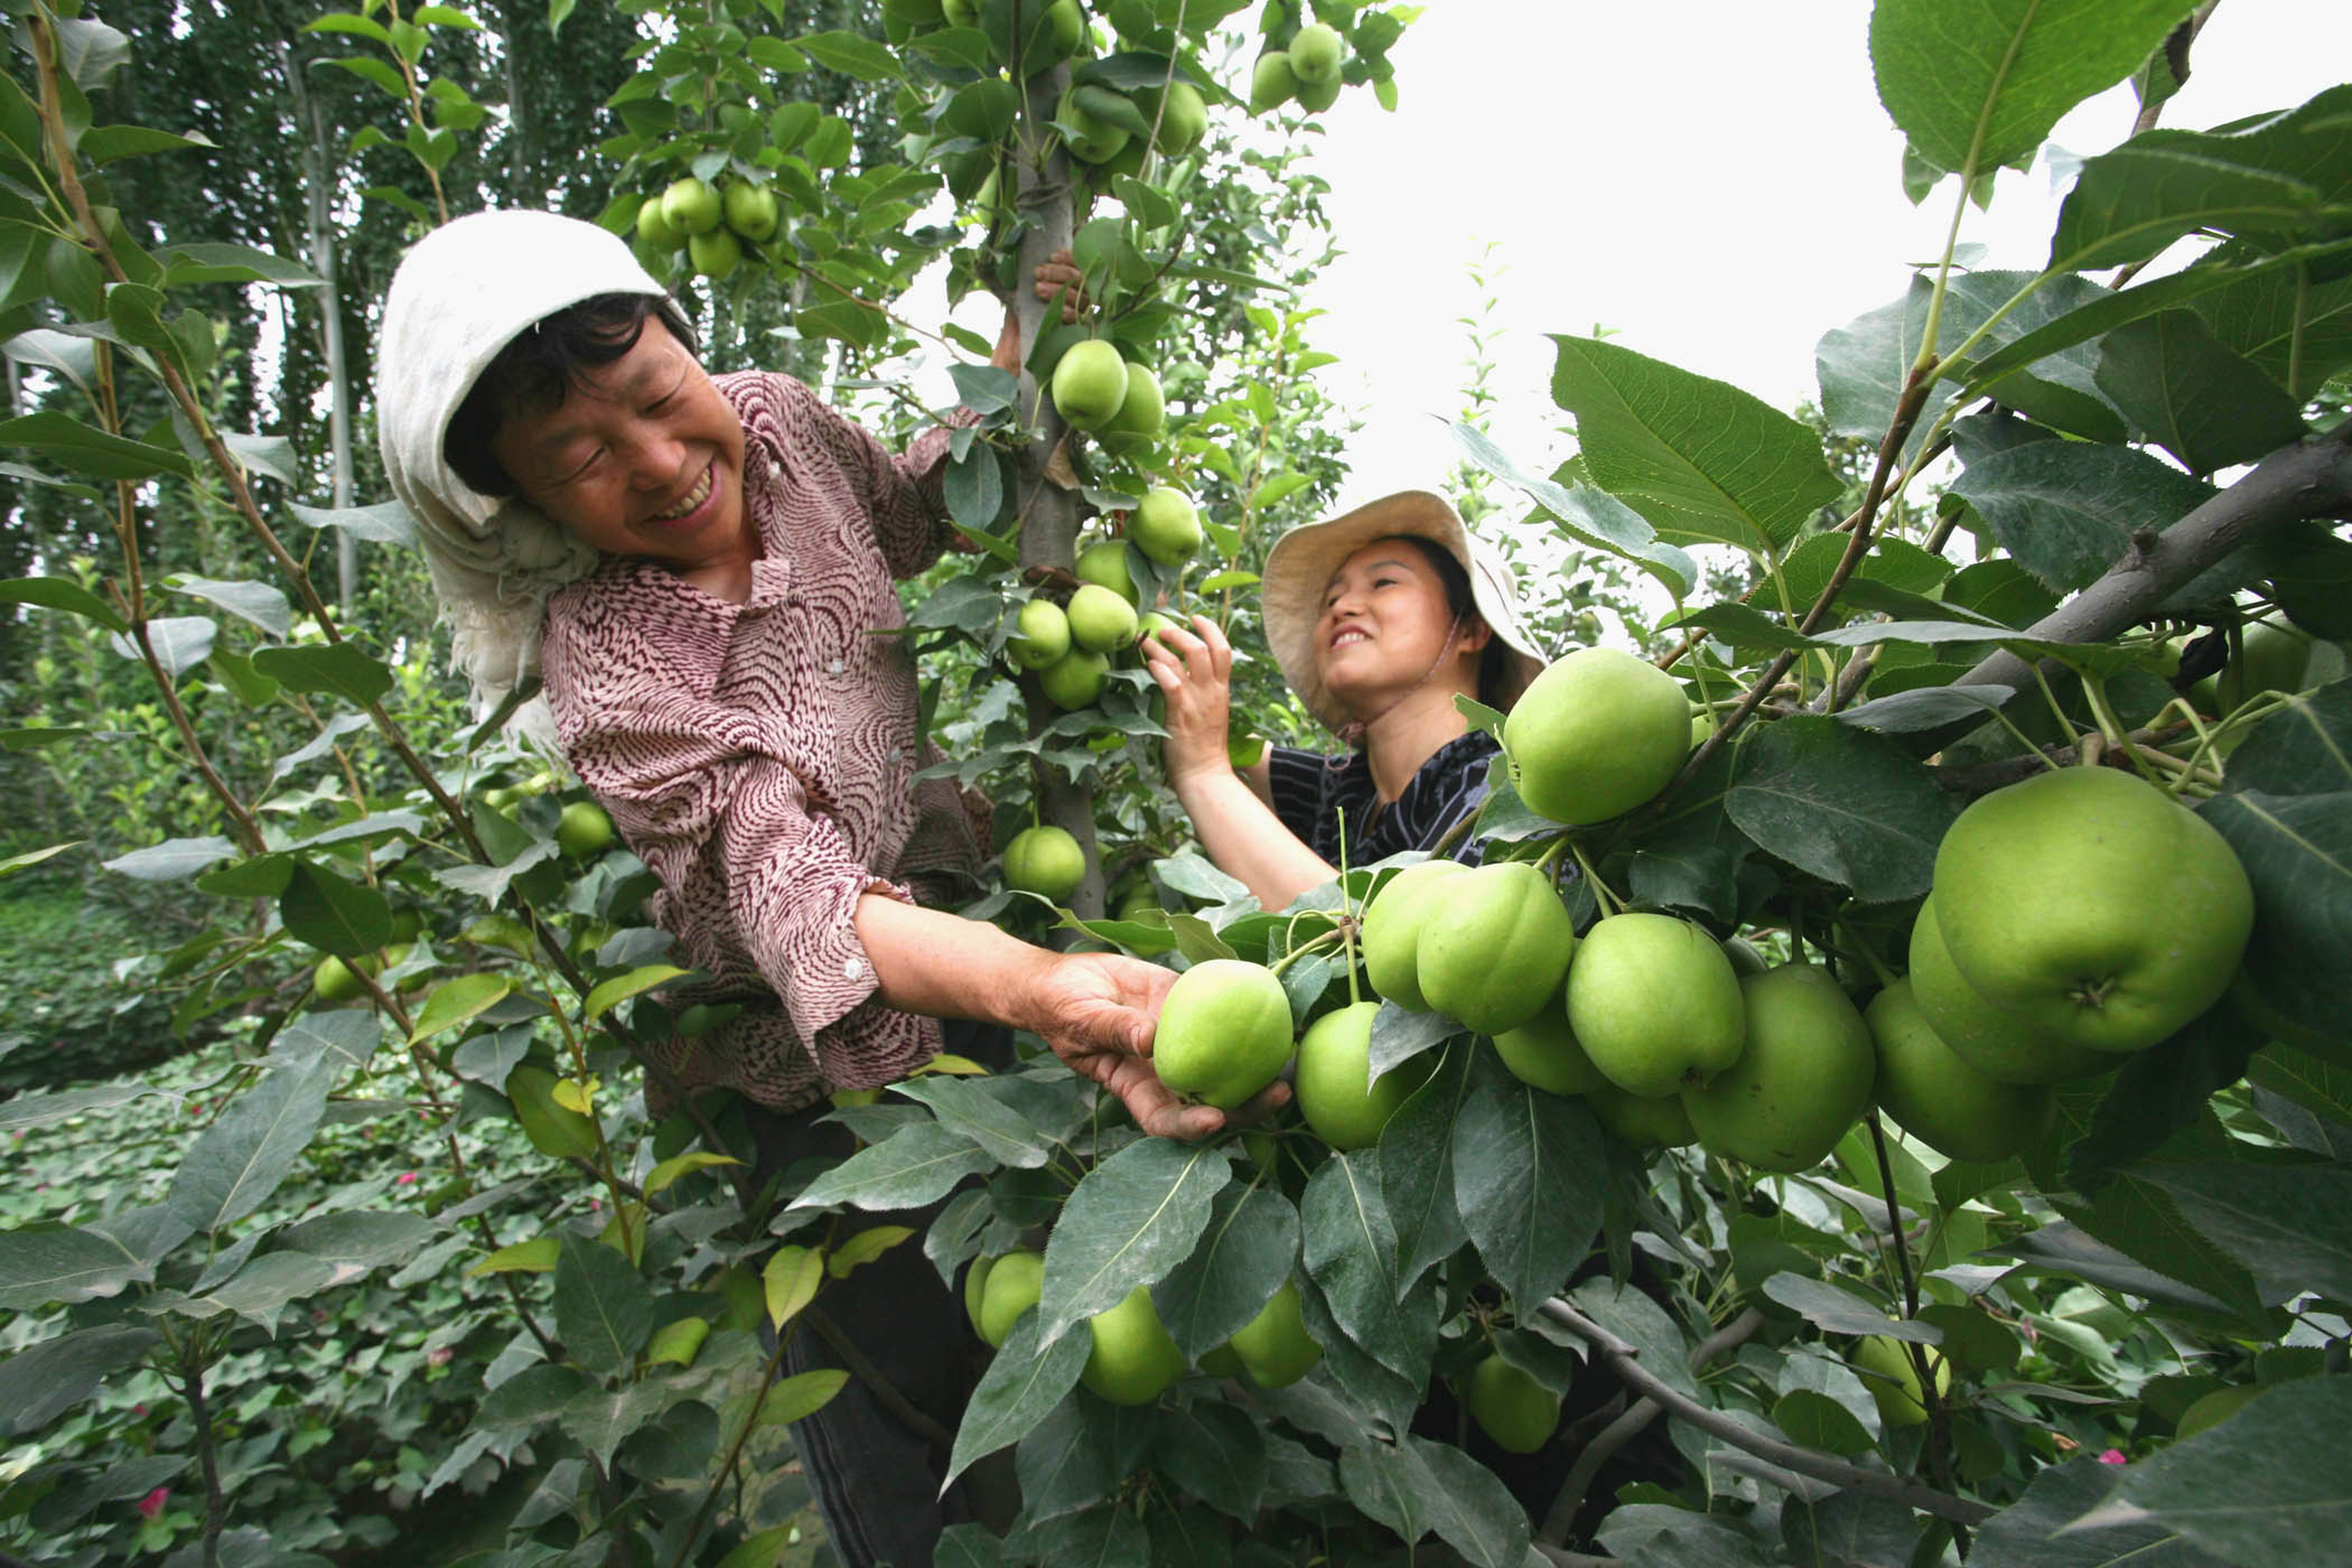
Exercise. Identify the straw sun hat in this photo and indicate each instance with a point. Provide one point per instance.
(1298, 570)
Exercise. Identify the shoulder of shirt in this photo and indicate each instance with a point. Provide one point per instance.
(629, 622)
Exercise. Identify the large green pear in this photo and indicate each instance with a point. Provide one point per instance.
(1224, 1032)
(1645, 1122)
(1596, 734)
(1041, 634)
(2094, 906)
(1393, 924)
(1333, 1081)
(1044, 859)
(1518, 1413)
(1099, 619)
(1014, 1284)
(1544, 1051)
(1090, 384)
(1133, 1361)
(1275, 1347)
(1075, 680)
(1887, 1371)
(1654, 1003)
(1804, 1078)
(2001, 1045)
(1105, 561)
(1937, 1098)
(1494, 946)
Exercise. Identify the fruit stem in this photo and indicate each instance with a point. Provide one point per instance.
(1348, 917)
(1852, 942)
(1600, 893)
(1322, 939)
(2117, 737)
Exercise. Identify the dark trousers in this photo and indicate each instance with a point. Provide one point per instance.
(876, 1477)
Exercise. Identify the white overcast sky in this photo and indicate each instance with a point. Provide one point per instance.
(1714, 180)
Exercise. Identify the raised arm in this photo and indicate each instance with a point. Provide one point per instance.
(1231, 812)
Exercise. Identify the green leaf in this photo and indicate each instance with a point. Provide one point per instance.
(854, 55)
(1248, 1248)
(237, 1163)
(45, 1380)
(2304, 748)
(61, 1265)
(455, 1002)
(27, 1110)
(915, 1166)
(179, 642)
(1417, 1175)
(975, 487)
(1848, 1530)
(1840, 1312)
(2265, 1488)
(603, 1310)
(1848, 806)
(1702, 460)
(2291, 1226)
(1027, 1378)
(1976, 84)
(103, 145)
(35, 857)
(2283, 180)
(530, 1399)
(677, 1165)
(388, 523)
(334, 915)
(1216, 1453)
(1133, 1218)
(1423, 1486)
(356, 1240)
(1349, 1248)
(790, 1281)
(84, 449)
(599, 1421)
(537, 1256)
(611, 993)
(2298, 852)
(2067, 509)
(801, 1396)
(259, 1293)
(58, 594)
(863, 1247)
(172, 859)
(1823, 1404)
(1530, 1170)
(985, 1111)
(334, 667)
(2206, 404)
(2027, 1533)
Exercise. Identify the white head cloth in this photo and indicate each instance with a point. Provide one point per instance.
(463, 293)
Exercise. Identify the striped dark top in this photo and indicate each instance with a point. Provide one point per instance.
(1311, 791)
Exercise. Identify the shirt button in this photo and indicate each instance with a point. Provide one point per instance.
(896, 752)
(852, 969)
(836, 666)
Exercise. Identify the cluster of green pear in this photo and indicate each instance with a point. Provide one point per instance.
(1130, 1358)
(1070, 645)
(711, 223)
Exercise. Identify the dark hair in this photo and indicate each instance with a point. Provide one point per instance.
(1463, 606)
(541, 367)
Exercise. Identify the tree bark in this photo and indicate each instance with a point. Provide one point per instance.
(319, 184)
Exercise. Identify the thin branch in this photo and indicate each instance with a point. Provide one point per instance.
(1561, 1517)
(1624, 1358)
(855, 1363)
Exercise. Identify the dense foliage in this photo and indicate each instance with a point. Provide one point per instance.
(1825, 1336)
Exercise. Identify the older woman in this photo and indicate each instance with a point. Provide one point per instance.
(1378, 619)
(702, 572)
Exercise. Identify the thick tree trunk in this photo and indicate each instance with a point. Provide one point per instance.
(1048, 512)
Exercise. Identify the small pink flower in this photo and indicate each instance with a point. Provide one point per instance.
(2114, 1457)
(403, 1179)
(440, 1357)
(152, 1503)
(594, 1205)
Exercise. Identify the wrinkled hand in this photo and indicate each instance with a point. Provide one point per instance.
(1100, 1010)
(1059, 273)
(1195, 670)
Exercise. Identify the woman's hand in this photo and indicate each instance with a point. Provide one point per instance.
(1058, 274)
(1195, 670)
(1098, 1010)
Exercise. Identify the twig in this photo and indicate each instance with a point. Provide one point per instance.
(1624, 1358)
(1561, 1517)
(854, 1361)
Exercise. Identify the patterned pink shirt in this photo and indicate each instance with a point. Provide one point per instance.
(757, 757)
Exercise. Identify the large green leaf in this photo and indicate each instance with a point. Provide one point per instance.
(1974, 84)
(1589, 516)
(991, 1113)
(1848, 1530)
(1132, 1219)
(2304, 748)
(259, 1293)
(603, 1308)
(2298, 331)
(46, 1378)
(1066, 1462)
(2028, 1533)
(1351, 1251)
(1216, 1453)
(337, 667)
(2067, 509)
(81, 448)
(62, 593)
(913, 1166)
(2270, 1486)
(1247, 1251)
(1420, 1487)
(1417, 1165)
(2298, 852)
(238, 1162)
(1702, 460)
(1529, 1179)
(2284, 181)
(1028, 1377)
(2291, 1226)
(2197, 398)
(2139, 1220)
(1844, 805)
(334, 915)
(61, 1265)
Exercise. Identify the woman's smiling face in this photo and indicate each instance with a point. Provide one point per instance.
(1385, 622)
(643, 457)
